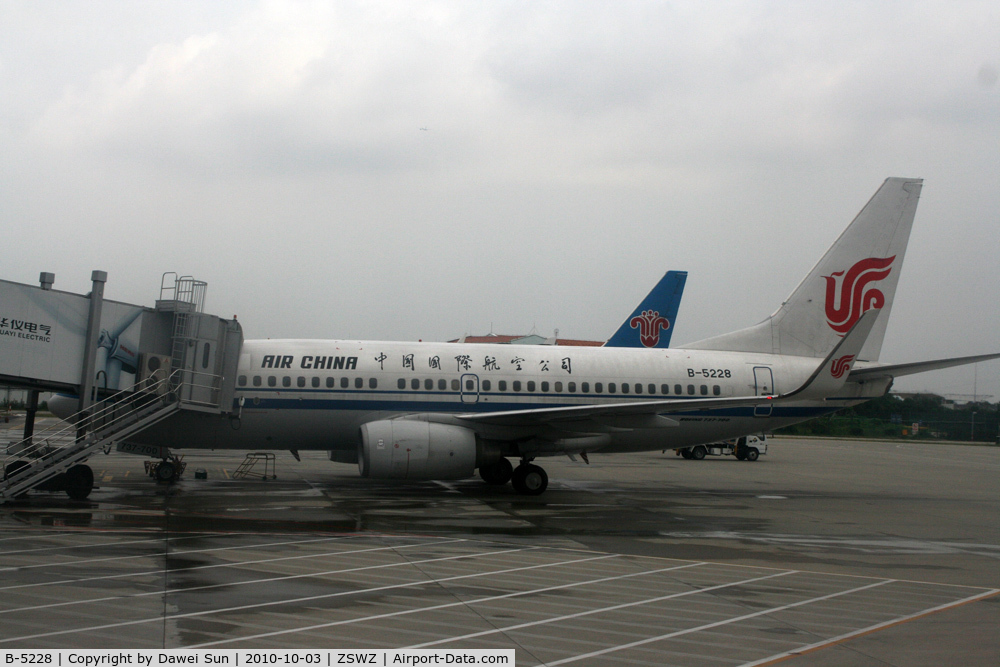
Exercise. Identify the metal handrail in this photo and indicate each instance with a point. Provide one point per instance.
(98, 417)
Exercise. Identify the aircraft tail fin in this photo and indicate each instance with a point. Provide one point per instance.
(859, 272)
(652, 323)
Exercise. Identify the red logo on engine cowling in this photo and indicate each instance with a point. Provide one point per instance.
(649, 325)
(847, 299)
(841, 366)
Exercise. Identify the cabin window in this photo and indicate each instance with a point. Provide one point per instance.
(300, 381)
(638, 388)
(286, 381)
(612, 387)
(242, 380)
(691, 389)
(358, 383)
(558, 387)
(373, 383)
(272, 381)
(571, 387)
(652, 388)
(414, 383)
(502, 385)
(624, 387)
(585, 387)
(704, 390)
(315, 382)
(664, 389)
(470, 385)
(517, 385)
(256, 380)
(442, 384)
(531, 385)
(717, 390)
(545, 386)
(486, 385)
(401, 383)
(330, 383)
(428, 384)
(598, 388)
(678, 389)
(454, 385)
(344, 383)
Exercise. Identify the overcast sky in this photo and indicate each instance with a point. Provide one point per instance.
(424, 170)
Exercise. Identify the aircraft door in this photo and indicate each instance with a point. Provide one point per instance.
(764, 383)
(470, 388)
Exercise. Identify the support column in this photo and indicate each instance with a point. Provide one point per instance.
(93, 334)
(29, 417)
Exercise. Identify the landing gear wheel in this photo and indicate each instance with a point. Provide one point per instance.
(79, 482)
(529, 480)
(752, 454)
(698, 453)
(498, 473)
(165, 472)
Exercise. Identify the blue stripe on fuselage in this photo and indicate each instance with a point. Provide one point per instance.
(368, 400)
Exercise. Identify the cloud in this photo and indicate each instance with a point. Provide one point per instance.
(572, 153)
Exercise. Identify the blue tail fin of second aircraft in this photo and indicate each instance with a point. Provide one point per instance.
(652, 323)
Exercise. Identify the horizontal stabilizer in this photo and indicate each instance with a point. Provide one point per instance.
(831, 375)
(897, 370)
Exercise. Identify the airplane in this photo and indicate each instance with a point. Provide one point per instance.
(646, 327)
(440, 411)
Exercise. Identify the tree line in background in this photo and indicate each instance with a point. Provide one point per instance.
(922, 417)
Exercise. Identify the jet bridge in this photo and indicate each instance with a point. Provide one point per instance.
(131, 367)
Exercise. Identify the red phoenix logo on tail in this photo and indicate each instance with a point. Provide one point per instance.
(855, 295)
(841, 366)
(649, 324)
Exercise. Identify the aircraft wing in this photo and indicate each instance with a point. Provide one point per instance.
(828, 378)
(650, 409)
(897, 370)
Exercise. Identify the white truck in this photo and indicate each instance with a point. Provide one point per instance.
(747, 448)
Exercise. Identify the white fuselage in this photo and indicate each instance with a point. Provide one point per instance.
(315, 394)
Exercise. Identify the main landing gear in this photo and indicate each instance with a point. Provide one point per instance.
(527, 478)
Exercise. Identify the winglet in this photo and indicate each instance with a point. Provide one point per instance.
(831, 375)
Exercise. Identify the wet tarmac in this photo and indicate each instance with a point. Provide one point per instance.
(820, 553)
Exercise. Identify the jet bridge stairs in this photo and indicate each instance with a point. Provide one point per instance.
(51, 460)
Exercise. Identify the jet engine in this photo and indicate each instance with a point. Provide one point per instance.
(416, 450)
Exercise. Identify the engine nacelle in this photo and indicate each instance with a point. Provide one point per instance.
(416, 450)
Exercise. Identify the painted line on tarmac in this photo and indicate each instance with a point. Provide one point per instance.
(311, 598)
(868, 630)
(175, 591)
(709, 626)
(232, 564)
